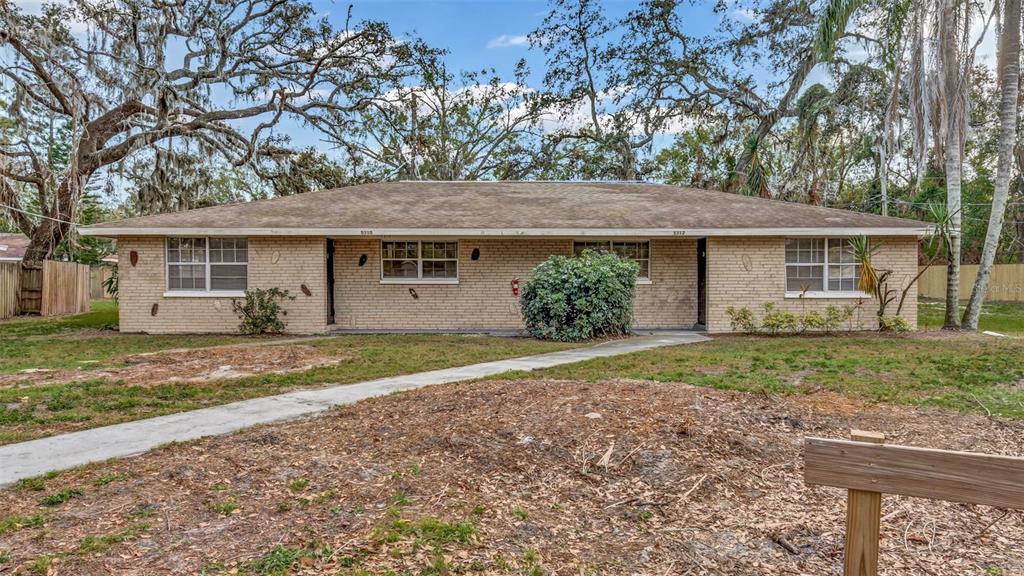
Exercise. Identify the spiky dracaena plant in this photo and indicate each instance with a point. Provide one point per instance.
(934, 247)
(863, 252)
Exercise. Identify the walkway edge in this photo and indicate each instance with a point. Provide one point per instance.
(35, 457)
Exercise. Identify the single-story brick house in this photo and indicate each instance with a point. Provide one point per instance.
(448, 255)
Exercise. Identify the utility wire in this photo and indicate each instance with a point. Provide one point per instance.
(37, 215)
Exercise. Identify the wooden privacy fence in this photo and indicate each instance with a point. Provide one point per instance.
(97, 276)
(48, 288)
(65, 288)
(10, 281)
(868, 468)
(1005, 285)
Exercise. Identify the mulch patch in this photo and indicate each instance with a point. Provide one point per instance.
(619, 477)
(197, 365)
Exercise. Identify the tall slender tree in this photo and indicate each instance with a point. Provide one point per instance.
(1009, 89)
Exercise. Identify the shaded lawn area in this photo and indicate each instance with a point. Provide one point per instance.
(84, 341)
(32, 410)
(961, 371)
(1002, 317)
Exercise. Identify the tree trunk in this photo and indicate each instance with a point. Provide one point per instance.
(55, 228)
(950, 65)
(1009, 78)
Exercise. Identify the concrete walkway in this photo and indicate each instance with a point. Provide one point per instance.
(36, 457)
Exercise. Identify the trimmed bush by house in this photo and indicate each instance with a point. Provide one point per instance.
(573, 298)
(261, 311)
(777, 321)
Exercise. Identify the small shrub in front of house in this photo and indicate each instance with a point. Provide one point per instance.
(896, 324)
(778, 321)
(574, 298)
(775, 321)
(835, 316)
(812, 321)
(261, 311)
(742, 320)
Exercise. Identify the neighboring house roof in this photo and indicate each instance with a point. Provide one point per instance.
(12, 247)
(512, 208)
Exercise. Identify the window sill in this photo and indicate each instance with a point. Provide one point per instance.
(837, 295)
(204, 294)
(419, 281)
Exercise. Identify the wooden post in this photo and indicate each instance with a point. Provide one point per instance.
(863, 517)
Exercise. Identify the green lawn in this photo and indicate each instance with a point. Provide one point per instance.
(84, 341)
(32, 411)
(965, 372)
(1002, 317)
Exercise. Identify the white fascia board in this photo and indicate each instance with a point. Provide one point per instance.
(506, 232)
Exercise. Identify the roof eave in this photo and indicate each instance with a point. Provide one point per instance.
(114, 232)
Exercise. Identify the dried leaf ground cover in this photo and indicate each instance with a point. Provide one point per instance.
(193, 366)
(525, 477)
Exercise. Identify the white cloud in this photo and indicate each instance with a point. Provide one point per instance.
(744, 14)
(507, 41)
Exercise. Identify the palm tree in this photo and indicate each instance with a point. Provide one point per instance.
(1009, 86)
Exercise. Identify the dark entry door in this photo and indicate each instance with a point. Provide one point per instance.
(330, 281)
(702, 281)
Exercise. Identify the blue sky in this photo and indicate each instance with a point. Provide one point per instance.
(478, 34)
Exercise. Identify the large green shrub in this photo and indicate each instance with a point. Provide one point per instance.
(573, 298)
(261, 311)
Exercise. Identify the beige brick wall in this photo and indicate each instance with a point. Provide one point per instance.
(483, 297)
(286, 263)
(748, 271)
(741, 272)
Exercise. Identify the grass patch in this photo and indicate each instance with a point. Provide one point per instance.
(1002, 317)
(432, 531)
(224, 508)
(41, 565)
(58, 498)
(278, 561)
(86, 341)
(36, 483)
(93, 544)
(962, 373)
(111, 477)
(12, 523)
(32, 411)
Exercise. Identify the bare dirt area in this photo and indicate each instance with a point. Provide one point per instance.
(526, 477)
(194, 365)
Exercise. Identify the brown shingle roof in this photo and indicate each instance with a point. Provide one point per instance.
(13, 246)
(509, 208)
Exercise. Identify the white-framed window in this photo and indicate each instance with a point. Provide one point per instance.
(638, 251)
(207, 264)
(419, 261)
(821, 266)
